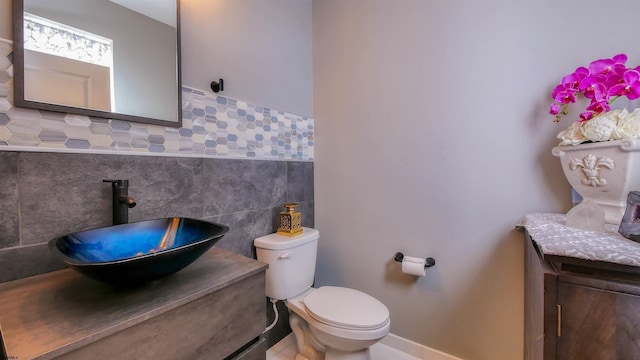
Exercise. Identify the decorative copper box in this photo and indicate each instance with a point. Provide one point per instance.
(630, 224)
(290, 221)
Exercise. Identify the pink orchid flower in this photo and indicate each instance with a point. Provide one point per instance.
(586, 116)
(594, 88)
(630, 86)
(599, 107)
(604, 66)
(604, 81)
(563, 94)
(574, 79)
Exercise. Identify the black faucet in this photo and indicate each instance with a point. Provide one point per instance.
(121, 201)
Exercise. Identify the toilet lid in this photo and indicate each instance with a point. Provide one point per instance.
(346, 308)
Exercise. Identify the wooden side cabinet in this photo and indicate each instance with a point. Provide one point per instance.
(577, 309)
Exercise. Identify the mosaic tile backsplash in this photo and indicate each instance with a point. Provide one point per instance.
(213, 126)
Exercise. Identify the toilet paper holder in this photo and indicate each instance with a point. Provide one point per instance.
(428, 263)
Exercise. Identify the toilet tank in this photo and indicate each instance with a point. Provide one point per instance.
(292, 262)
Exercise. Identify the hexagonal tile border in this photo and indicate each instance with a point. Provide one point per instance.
(213, 126)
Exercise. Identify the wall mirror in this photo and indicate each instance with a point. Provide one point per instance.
(116, 59)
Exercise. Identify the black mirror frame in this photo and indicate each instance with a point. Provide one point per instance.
(18, 78)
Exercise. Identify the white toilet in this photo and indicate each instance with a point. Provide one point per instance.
(328, 322)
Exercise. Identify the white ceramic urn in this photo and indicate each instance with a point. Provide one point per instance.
(604, 172)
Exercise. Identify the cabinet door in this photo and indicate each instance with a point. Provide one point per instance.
(597, 324)
(540, 306)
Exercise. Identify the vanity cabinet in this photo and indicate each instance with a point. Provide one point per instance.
(212, 309)
(579, 309)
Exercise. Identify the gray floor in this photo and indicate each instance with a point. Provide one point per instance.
(286, 350)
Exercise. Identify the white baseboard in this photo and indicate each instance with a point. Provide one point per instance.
(414, 349)
(391, 340)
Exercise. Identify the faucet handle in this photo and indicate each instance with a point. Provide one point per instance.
(118, 182)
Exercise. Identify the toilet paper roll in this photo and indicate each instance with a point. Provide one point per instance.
(413, 266)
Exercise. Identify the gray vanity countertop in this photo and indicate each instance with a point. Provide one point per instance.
(48, 315)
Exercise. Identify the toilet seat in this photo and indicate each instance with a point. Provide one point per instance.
(296, 305)
(346, 308)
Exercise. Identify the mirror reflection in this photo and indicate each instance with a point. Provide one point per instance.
(117, 59)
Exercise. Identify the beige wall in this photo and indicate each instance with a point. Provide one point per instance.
(261, 49)
(6, 16)
(432, 138)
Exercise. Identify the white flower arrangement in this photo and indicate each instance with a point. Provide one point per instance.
(611, 125)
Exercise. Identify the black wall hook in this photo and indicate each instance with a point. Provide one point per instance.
(217, 86)
(428, 263)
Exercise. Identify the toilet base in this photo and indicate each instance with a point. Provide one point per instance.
(306, 344)
(311, 348)
(333, 354)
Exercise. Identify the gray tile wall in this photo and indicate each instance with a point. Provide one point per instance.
(212, 126)
(44, 195)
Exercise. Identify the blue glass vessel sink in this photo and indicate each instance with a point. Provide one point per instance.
(137, 252)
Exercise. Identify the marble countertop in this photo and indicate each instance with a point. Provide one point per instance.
(554, 239)
(47, 315)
